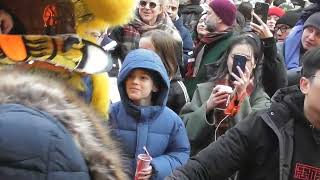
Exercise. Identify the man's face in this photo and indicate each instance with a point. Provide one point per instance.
(310, 37)
(311, 88)
(282, 31)
(172, 9)
(212, 21)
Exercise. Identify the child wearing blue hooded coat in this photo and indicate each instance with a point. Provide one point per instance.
(141, 118)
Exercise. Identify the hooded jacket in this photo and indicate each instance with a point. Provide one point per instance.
(260, 146)
(48, 133)
(156, 127)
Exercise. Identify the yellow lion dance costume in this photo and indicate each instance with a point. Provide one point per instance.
(47, 122)
(69, 51)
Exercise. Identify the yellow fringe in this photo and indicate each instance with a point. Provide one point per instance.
(100, 94)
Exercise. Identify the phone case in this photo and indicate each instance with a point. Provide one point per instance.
(261, 9)
(239, 61)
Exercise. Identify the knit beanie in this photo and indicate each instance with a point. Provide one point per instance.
(275, 11)
(225, 9)
(313, 20)
(289, 18)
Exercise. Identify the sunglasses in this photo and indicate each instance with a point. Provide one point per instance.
(152, 5)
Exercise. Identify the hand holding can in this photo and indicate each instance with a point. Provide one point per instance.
(219, 97)
(143, 169)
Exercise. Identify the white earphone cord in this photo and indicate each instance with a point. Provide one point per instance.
(215, 131)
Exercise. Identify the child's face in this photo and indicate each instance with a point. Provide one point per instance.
(139, 86)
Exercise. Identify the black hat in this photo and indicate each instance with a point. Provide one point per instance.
(313, 20)
(289, 18)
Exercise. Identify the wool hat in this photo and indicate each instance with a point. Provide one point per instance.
(289, 18)
(225, 9)
(276, 11)
(313, 20)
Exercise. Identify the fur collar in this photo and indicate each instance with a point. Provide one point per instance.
(48, 95)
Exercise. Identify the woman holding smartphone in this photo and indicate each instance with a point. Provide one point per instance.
(228, 98)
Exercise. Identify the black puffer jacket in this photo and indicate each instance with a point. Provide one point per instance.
(178, 94)
(259, 147)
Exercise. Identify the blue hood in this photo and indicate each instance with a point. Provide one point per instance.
(147, 59)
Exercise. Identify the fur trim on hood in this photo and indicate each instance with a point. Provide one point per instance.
(93, 140)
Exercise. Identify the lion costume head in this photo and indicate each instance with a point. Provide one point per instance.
(57, 36)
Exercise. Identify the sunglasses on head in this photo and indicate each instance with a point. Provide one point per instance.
(152, 5)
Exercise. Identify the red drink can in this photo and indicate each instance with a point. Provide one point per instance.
(143, 162)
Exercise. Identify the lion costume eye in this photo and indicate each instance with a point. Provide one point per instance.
(55, 37)
(53, 32)
(63, 51)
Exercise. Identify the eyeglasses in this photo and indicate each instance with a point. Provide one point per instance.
(283, 29)
(152, 5)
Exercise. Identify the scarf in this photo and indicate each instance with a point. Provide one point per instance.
(163, 22)
(194, 63)
(219, 112)
(132, 32)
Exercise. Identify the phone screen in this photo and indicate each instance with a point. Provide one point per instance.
(238, 60)
(261, 9)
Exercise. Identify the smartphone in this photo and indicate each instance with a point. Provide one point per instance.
(261, 9)
(238, 60)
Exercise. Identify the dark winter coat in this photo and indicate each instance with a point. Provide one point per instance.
(157, 127)
(186, 38)
(274, 73)
(47, 133)
(178, 94)
(260, 147)
(212, 53)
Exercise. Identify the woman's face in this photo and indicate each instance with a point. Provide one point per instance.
(201, 26)
(149, 10)
(244, 50)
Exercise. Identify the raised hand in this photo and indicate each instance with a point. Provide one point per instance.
(261, 30)
(241, 82)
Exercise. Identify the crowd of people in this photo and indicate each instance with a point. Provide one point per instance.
(206, 88)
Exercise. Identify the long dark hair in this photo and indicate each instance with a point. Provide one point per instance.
(254, 42)
(167, 47)
(195, 33)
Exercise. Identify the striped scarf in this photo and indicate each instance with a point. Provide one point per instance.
(133, 31)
